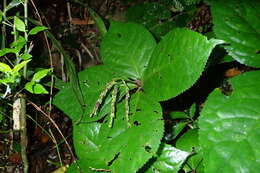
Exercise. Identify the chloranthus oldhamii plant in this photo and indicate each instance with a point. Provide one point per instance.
(122, 126)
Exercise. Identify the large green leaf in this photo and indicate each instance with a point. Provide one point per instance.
(177, 62)
(121, 149)
(128, 47)
(230, 127)
(238, 24)
(169, 161)
(91, 86)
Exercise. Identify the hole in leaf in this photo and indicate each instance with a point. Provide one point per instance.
(119, 35)
(111, 162)
(258, 52)
(137, 123)
(138, 110)
(148, 148)
(170, 58)
(156, 112)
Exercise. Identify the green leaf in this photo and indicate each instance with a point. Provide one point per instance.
(37, 29)
(4, 68)
(1, 16)
(121, 148)
(189, 142)
(12, 4)
(76, 167)
(230, 127)
(40, 74)
(157, 11)
(177, 63)
(128, 48)
(19, 24)
(19, 43)
(169, 161)
(238, 24)
(91, 86)
(7, 80)
(5, 51)
(26, 56)
(178, 115)
(35, 88)
(20, 65)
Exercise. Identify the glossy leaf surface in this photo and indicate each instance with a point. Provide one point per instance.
(40, 74)
(37, 29)
(128, 48)
(169, 161)
(230, 127)
(121, 148)
(176, 64)
(238, 24)
(19, 24)
(35, 88)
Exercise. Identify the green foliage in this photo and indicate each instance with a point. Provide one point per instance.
(11, 75)
(189, 142)
(174, 58)
(127, 48)
(122, 129)
(151, 16)
(230, 126)
(19, 55)
(19, 24)
(107, 148)
(37, 29)
(170, 160)
(33, 86)
(238, 24)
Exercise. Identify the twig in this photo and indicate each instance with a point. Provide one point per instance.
(57, 148)
(87, 50)
(55, 125)
(79, 58)
(50, 56)
(3, 27)
(25, 4)
(69, 14)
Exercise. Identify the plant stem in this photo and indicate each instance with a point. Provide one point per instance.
(25, 34)
(3, 27)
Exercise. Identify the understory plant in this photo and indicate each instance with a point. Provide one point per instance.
(122, 128)
(15, 76)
